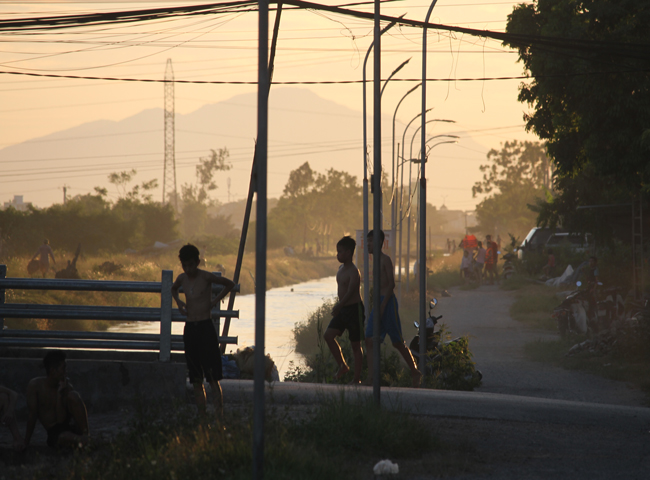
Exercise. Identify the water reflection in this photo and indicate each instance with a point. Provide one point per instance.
(284, 307)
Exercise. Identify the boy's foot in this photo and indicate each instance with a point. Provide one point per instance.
(416, 378)
(343, 369)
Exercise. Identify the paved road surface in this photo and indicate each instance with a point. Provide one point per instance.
(497, 341)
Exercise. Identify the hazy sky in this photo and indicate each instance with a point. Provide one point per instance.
(313, 46)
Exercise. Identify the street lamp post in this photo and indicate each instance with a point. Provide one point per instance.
(393, 203)
(422, 264)
(401, 195)
(366, 257)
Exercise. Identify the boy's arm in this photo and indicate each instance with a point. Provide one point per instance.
(8, 414)
(179, 302)
(227, 284)
(387, 266)
(32, 411)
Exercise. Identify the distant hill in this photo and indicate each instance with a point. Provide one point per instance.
(303, 127)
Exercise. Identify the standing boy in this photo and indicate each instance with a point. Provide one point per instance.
(53, 401)
(348, 312)
(202, 352)
(389, 322)
(491, 258)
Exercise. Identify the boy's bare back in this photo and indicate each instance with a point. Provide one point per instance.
(386, 275)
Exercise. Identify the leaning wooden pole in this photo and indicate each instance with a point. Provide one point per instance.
(251, 190)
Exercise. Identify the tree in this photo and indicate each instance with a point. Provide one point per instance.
(592, 105)
(121, 181)
(518, 177)
(195, 198)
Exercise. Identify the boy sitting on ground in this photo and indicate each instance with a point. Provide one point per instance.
(389, 321)
(7, 418)
(348, 313)
(53, 401)
(201, 341)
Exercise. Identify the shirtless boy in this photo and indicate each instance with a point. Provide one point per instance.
(53, 401)
(389, 322)
(202, 353)
(348, 312)
(7, 404)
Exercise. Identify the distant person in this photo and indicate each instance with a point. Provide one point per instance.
(448, 246)
(549, 268)
(466, 266)
(44, 252)
(480, 262)
(491, 258)
(53, 401)
(202, 353)
(7, 417)
(348, 313)
(389, 321)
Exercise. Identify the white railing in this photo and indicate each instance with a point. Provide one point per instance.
(164, 342)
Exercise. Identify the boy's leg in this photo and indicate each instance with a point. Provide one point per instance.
(217, 395)
(76, 409)
(416, 375)
(358, 361)
(330, 338)
(369, 356)
(199, 396)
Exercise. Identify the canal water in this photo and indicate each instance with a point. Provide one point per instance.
(285, 306)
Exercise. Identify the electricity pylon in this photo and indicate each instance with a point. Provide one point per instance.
(169, 182)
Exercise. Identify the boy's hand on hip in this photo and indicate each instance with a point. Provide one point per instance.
(182, 308)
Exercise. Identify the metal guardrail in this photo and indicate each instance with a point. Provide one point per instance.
(164, 342)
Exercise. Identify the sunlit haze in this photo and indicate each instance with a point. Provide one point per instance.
(312, 46)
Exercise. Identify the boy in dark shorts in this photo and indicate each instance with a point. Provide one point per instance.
(201, 341)
(348, 312)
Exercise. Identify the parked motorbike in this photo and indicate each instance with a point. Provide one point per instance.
(437, 348)
(582, 310)
(508, 265)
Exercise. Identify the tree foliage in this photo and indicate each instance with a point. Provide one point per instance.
(316, 207)
(591, 106)
(516, 179)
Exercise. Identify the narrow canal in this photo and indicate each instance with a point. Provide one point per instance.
(285, 306)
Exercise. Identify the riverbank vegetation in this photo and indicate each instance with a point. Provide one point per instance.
(343, 436)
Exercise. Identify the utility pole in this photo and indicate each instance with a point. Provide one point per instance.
(65, 193)
(169, 173)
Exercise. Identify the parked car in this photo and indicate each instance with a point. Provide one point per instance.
(578, 242)
(535, 241)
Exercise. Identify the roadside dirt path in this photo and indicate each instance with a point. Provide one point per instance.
(497, 343)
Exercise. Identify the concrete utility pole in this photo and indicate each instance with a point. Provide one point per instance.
(169, 174)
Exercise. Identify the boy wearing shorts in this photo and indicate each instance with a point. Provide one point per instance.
(348, 312)
(388, 318)
(201, 341)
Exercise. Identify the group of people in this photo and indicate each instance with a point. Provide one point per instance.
(479, 263)
(62, 412)
(348, 313)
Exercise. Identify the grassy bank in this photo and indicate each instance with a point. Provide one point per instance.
(534, 304)
(612, 365)
(343, 437)
(281, 270)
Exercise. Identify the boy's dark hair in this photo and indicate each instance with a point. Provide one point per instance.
(381, 235)
(348, 243)
(53, 359)
(480, 244)
(188, 252)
